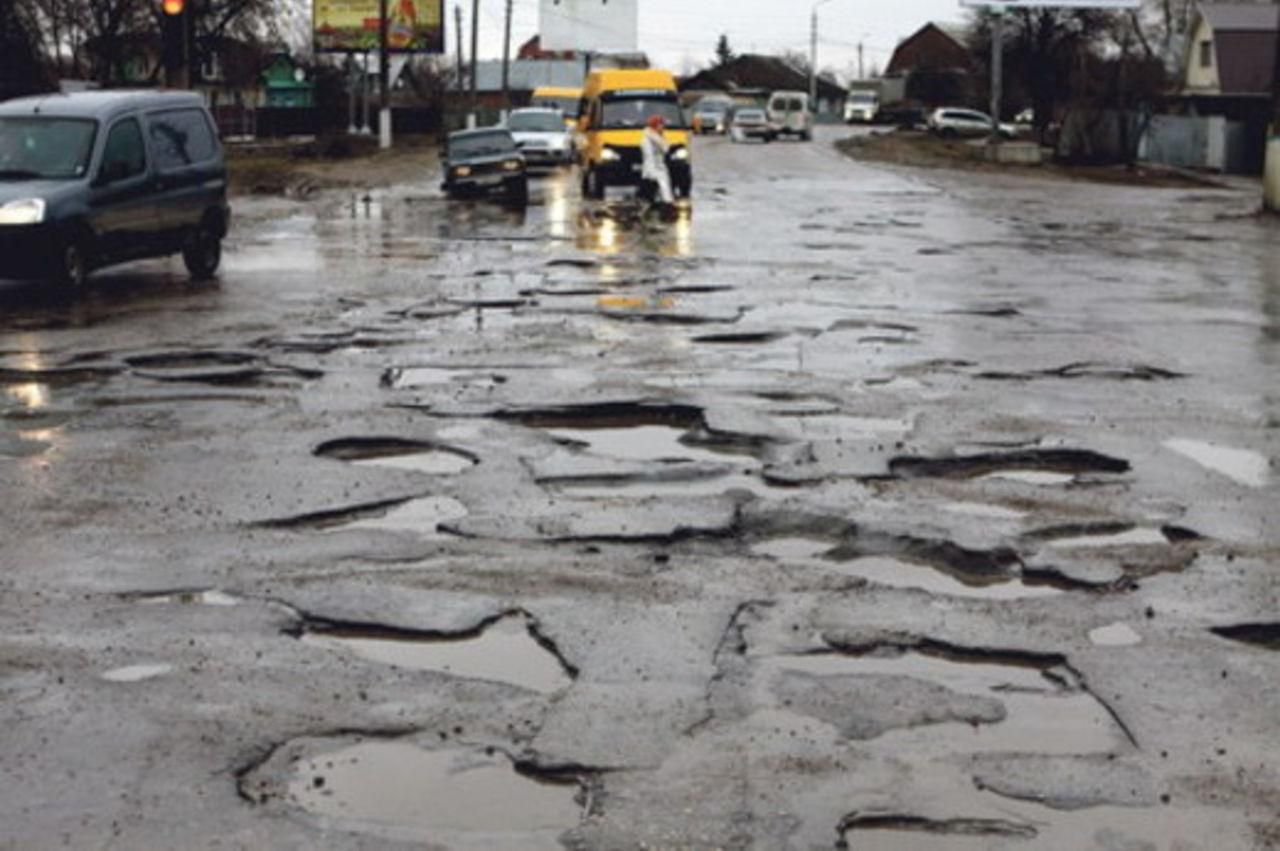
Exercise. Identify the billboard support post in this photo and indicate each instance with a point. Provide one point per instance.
(997, 71)
(475, 61)
(366, 129)
(384, 76)
(352, 82)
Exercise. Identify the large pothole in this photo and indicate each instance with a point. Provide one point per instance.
(399, 454)
(508, 649)
(395, 790)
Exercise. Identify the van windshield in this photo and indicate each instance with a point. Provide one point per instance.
(36, 147)
(566, 105)
(633, 113)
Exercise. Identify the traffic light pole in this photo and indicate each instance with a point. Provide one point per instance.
(384, 75)
(176, 24)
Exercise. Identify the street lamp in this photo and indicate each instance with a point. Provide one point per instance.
(813, 54)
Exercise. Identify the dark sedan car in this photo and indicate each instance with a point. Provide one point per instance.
(93, 179)
(483, 161)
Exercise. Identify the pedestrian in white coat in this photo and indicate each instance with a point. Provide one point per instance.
(654, 149)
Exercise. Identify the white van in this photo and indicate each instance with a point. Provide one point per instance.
(789, 114)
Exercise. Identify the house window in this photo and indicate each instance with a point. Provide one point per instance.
(1206, 54)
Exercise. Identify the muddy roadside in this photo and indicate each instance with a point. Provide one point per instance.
(916, 149)
(298, 169)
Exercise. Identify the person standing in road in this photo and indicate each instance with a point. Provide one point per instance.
(654, 149)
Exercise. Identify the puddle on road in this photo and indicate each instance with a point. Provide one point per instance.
(895, 573)
(422, 516)
(1039, 478)
(1128, 538)
(1242, 466)
(1042, 716)
(399, 454)
(210, 597)
(136, 673)
(1115, 635)
(416, 378)
(458, 798)
(641, 443)
(1117, 828)
(505, 651)
(655, 488)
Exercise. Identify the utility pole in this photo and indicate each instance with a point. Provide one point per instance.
(813, 55)
(475, 60)
(384, 75)
(506, 60)
(997, 71)
(1271, 186)
(462, 65)
(862, 73)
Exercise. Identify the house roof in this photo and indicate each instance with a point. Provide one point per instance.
(1241, 17)
(933, 47)
(1246, 38)
(752, 72)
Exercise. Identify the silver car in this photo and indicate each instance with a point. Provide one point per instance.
(950, 123)
(541, 136)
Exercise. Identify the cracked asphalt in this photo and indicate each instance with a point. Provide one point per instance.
(868, 508)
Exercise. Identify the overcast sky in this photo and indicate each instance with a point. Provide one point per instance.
(681, 34)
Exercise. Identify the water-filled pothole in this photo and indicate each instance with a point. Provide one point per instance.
(1115, 635)
(1240, 465)
(457, 798)
(1043, 713)
(137, 673)
(399, 454)
(506, 650)
(208, 597)
(1032, 466)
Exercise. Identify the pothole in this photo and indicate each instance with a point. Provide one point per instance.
(505, 650)
(417, 378)
(915, 833)
(457, 798)
(423, 517)
(1258, 634)
(1046, 710)
(1115, 635)
(136, 673)
(1032, 466)
(656, 487)
(209, 597)
(896, 573)
(399, 454)
(984, 510)
(1242, 466)
(1134, 537)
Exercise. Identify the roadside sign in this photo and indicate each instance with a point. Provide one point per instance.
(1006, 5)
(352, 26)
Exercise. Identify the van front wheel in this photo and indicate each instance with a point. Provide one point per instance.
(202, 254)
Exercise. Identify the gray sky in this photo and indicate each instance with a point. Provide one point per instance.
(680, 33)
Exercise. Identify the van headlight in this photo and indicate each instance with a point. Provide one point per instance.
(610, 155)
(680, 154)
(28, 211)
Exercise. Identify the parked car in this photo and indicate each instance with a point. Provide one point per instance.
(93, 179)
(711, 115)
(750, 123)
(790, 115)
(950, 123)
(482, 161)
(541, 136)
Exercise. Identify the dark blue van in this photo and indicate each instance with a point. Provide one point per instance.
(93, 179)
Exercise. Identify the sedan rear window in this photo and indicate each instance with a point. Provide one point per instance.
(50, 148)
(482, 144)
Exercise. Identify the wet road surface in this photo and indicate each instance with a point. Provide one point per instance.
(870, 508)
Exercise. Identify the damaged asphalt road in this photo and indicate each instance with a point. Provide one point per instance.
(863, 510)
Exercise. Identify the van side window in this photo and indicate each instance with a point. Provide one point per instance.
(125, 154)
(181, 137)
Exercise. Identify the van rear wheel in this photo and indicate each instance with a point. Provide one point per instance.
(202, 254)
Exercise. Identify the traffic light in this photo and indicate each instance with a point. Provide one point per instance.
(176, 26)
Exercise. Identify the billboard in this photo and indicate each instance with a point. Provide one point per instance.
(1104, 5)
(590, 25)
(416, 26)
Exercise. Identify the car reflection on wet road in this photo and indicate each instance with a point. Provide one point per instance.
(861, 505)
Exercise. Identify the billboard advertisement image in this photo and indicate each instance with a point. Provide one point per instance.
(590, 25)
(415, 26)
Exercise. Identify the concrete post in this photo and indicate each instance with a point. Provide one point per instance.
(997, 71)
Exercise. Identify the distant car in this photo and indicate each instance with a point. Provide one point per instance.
(541, 136)
(790, 115)
(950, 123)
(92, 179)
(751, 123)
(712, 115)
(482, 161)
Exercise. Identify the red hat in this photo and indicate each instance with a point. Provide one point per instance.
(657, 122)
